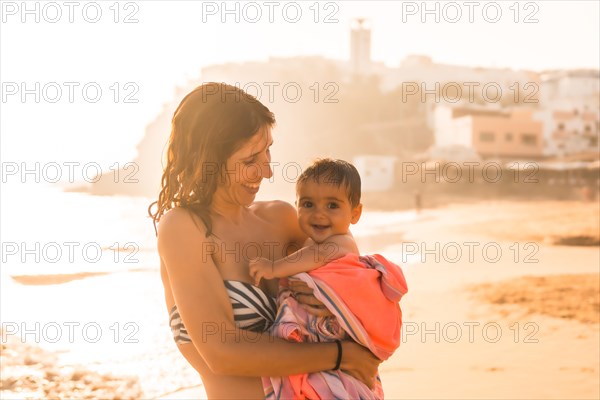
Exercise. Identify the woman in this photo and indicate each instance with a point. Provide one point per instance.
(210, 227)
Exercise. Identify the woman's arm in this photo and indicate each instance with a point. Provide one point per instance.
(206, 312)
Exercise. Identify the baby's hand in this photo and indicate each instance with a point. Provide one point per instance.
(260, 268)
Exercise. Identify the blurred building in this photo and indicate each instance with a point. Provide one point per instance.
(360, 47)
(569, 90)
(569, 132)
(422, 69)
(323, 108)
(491, 133)
(376, 172)
(569, 110)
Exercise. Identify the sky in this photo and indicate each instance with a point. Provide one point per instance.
(137, 52)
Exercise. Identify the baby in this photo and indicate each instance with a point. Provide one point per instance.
(361, 292)
(328, 201)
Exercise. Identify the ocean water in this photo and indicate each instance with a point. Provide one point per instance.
(48, 231)
(116, 322)
(45, 230)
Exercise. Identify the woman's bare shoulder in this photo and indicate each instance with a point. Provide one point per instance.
(180, 221)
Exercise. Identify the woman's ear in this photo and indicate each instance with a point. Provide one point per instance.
(356, 213)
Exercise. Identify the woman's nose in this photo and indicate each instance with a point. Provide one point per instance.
(266, 170)
(257, 171)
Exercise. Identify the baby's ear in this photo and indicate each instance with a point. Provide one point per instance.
(356, 213)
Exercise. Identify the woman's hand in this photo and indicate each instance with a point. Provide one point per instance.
(359, 362)
(305, 297)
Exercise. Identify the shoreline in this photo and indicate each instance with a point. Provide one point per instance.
(57, 279)
(568, 230)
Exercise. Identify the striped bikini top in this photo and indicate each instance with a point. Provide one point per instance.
(253, 310)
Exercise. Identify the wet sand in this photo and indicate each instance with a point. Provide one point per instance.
(31, 372)
(53, 279)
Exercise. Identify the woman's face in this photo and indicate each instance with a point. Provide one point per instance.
(247, 167)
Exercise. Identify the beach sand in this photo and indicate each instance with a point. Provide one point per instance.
(569, 297)
(31, 372)
(461, 341)
(518, 320)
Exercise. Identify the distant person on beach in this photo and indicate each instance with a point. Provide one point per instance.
(418, 201)
(209, 227)
(362, 292)
(587, 193)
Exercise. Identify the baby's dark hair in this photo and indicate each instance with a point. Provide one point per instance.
(334, 172)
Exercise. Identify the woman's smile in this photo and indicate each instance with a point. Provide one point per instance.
(252, 189)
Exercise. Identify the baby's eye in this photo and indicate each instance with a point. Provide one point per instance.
(332, 205)
(307, 204)
(248, 162)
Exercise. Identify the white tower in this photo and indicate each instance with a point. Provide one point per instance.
(360, 46)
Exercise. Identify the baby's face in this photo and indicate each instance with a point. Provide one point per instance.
(324, 210)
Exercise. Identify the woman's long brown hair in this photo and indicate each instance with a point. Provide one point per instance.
(209, 125)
